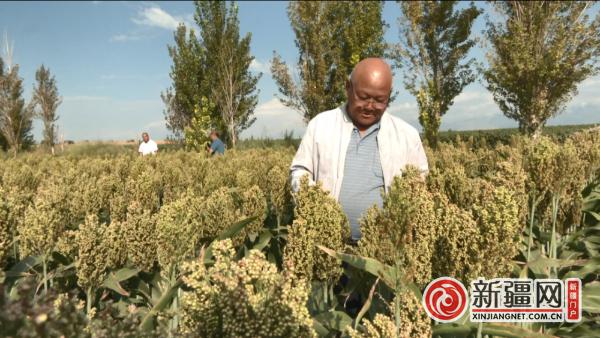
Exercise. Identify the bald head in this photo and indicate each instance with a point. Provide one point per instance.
(368, 91)
(372, 71)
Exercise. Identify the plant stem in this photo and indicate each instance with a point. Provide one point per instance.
(88, 295)
(553, 250)
(14, 244)
(44, 266)
(175, 305)
(397, 317)
(531, 220)
(479, 330)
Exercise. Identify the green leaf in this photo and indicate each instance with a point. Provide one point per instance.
(590, 295)
(337, 320)
(389, 275)
(386, 273)
(320, 329)
(263, 240)
(164, 301)
(591, 266)
(26, 264)
(452, 330)
(228, 233)
(112, 281)
(125, 273)
(235, 228)
(492, 329)
(595, 215)
(511, 330)
(365, 306)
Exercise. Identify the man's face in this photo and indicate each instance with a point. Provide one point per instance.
(367, 101)
(213, 136)
(145, 137)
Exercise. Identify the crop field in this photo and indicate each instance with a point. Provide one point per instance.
(182, 245)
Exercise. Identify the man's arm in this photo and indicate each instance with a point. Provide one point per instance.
(302, 163)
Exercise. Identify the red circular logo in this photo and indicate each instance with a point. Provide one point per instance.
(445, 299)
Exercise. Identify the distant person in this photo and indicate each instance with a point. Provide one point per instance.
(216, 146)
(147, 146)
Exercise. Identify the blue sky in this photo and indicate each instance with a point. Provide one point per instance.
(111, 63)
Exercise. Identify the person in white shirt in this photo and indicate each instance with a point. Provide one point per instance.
(355, 150)
(147, 146)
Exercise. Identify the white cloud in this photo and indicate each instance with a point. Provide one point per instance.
(584, 107)
(407, 111)
(592, 82)
(157, 17)
(273, 119)
(475, 109)
(125, 37)
(258, 66)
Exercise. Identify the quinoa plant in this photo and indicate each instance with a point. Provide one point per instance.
(403, 234)
(319, 220)
(139, 236)
(248, 298)
(5, 231)
(179, 228)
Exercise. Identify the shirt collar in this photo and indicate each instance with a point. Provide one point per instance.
(370, 130)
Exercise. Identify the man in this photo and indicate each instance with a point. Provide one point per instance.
(216, 146)
(147, 146)
(356, 150)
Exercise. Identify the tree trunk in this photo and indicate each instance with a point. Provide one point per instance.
(432, 137)
(232, 134)
(536, 133)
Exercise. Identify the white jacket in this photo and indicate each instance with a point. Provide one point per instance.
(322, 152)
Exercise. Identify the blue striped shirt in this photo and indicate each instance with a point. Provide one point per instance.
(363, 177)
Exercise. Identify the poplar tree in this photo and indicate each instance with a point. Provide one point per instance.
(227, 60)
(16, 117)
(538, 55)
(188, 81)
(331, 37)
(434, 43)
(212, 82)
(47, 99)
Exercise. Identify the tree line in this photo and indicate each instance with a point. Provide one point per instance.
(537, 53)
(16, 115)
